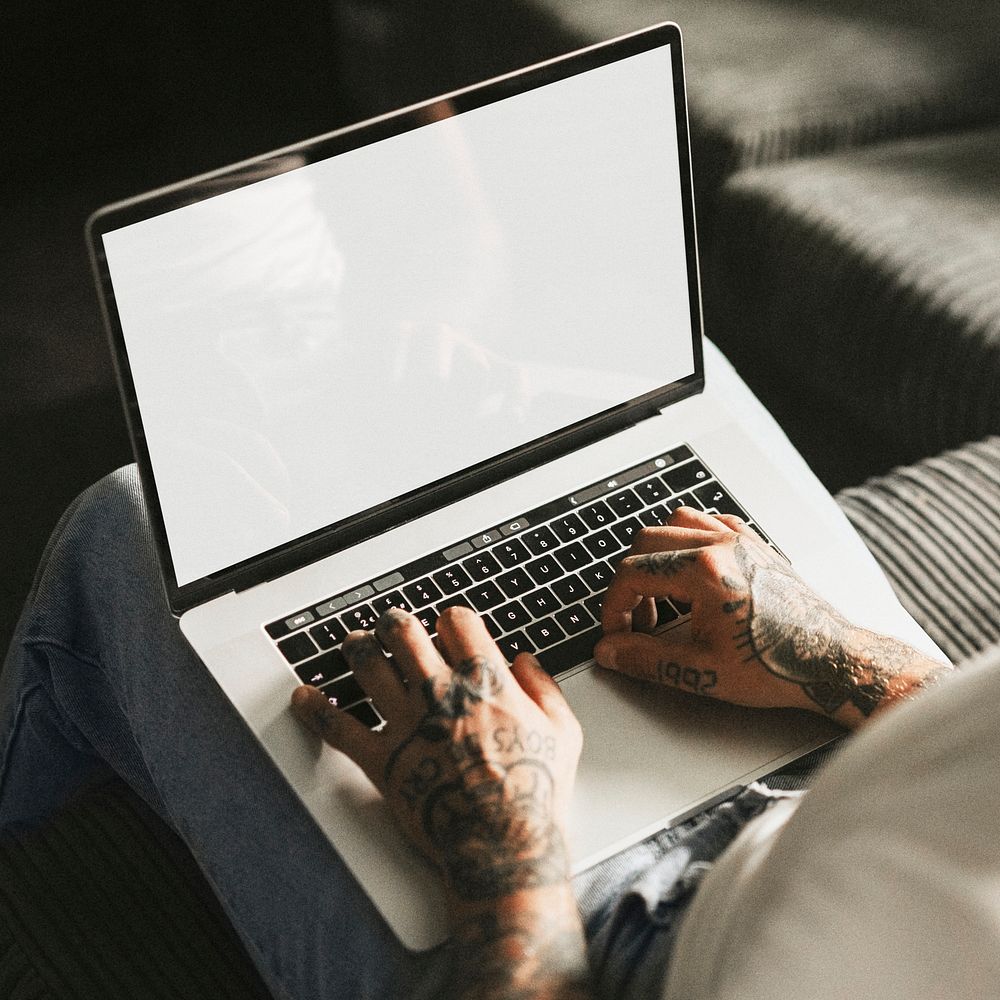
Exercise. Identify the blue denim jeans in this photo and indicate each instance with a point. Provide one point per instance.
(99, 680)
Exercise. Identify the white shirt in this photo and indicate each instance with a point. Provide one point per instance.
(882, 882)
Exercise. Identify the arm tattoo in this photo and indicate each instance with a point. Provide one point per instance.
(507, 957)
(797, 636)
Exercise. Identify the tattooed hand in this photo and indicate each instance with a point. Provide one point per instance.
(759, 635)
(477, 763)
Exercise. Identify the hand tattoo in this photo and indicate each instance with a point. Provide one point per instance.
(476, 801)
(800, 638)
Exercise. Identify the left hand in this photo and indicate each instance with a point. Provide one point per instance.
(477, 759)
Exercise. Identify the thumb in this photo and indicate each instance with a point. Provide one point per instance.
(656, 658)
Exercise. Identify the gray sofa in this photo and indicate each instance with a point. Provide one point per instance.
(846, 163)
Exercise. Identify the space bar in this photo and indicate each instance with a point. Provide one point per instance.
(576, 649)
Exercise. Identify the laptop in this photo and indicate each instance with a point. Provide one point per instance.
(455, 355)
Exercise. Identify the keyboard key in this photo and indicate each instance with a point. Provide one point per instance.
(361, 594)
(597, 515)
(323, 669)
(452, 579)
(512, 616)
(573, 556)
(574, 619)
(491, 626)
(544, 633)
(712, 495)
(683, 477)
(544, 569)
(570, 589)
(392, 600)
(541, 602)
(515, 583)
(455, 552)
(652, 490)
(602, 544)
(330, 606)
(569, 527)
(365, 713)
(344, 692)
(392, 580)
(486, 538)
(297, 621)
(625, 503)
(598, 576)
(654, 517)
(328, 634)
(422, 592)
(481, 566)
(427, 617)
(362, 617)
(511, 553)
(513, 527)
(297, 647)
(455, 601)
(594, 604)
(575, 650)
(687, 500)
(540, 540)
(626, 531)
(511, 645)
(485, 596)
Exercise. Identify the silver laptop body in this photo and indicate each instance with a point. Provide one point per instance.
(385, 347)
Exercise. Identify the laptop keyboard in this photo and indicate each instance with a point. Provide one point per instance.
(537, 580)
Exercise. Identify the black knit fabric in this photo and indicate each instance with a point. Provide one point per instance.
(935, 529)
(871, 280)
(767, 81)
(105, 903)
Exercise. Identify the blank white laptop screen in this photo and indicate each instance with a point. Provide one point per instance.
(318, 342)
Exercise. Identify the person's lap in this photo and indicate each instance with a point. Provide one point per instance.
(99, 677)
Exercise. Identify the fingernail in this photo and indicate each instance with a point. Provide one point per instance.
(604, 653)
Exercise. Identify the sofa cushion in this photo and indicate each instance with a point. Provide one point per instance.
(934, 527)
(766, 80)
(871, 278)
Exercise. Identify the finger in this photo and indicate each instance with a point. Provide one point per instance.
(376, 675)
(652, 658)
(540, 687)
(654, 574)
(415, 655)
(341, 731)
(737, 524)
(690, 517)
(667, 538)
(644, 615)
(463, 637)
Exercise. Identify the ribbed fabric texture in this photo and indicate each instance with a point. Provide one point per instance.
(104, 902)
(935, 529)
(871, 280)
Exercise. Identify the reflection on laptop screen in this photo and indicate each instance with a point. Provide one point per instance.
(316, 343)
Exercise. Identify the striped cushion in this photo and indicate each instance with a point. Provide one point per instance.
(106, 902)
(870, 281)
(935, 529)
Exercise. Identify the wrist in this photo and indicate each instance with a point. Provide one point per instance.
(882, 672)
(531, 939)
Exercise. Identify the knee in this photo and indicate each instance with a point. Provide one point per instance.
(109, 520)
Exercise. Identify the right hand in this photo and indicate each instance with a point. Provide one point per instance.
(758, 636)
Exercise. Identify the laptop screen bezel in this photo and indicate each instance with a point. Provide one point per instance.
(356, 528)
